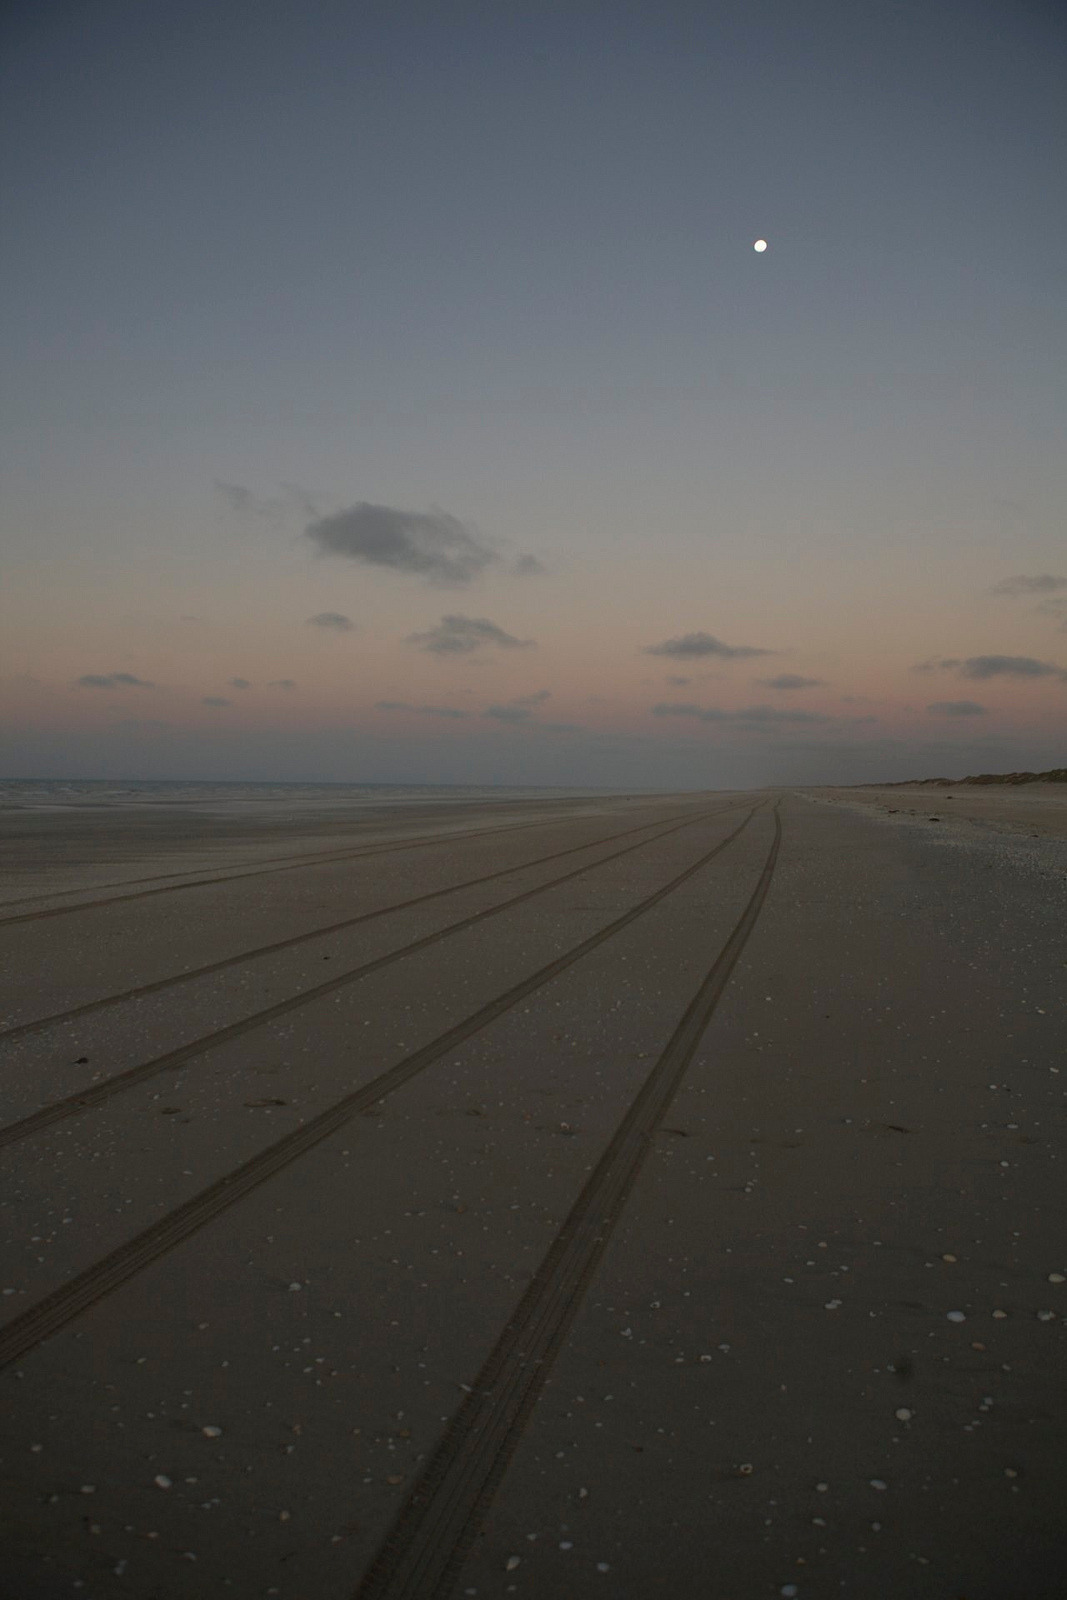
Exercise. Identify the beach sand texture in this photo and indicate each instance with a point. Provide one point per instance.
(614, 1196)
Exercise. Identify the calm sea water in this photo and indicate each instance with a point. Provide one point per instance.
(68, 794)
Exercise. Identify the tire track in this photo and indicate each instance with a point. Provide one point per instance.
(422, 1556)
(55, 1310)
(21, 1029)
(423, 842)
(97, 1094)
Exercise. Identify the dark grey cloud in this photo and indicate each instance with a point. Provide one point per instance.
(957, 708)
(425, 711)
(529, 567)
(431, 544)
(690, 645)
(513, 713)
(214, 700)
(282, 683)
(113, 680)
(1040, 583)
(459, 635)
(750, 716)
(334, 620)
(788, 680)
(1010, 667)
(535, 699)
(240, 683)
(677, 681)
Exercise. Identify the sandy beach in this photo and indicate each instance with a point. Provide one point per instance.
(614, 1196)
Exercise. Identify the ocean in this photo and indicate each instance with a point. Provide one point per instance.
(192, 795)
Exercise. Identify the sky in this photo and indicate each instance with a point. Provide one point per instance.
(393, 392)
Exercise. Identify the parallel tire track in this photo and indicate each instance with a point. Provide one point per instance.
(423, 1554)
(97, 1094)
(263, 871)
(21, 1029)
(55, 1310)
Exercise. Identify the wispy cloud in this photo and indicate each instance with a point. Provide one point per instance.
(957, 708)
(693, 645)
(537, 698)
(508, 713)
(292, 500)
(750, 716)
(1040, 583)
(788, 680)
(459, 635)
(528, 567)
(240, 683)
(334, 621)
(282, 683)
(423, 711)
(431, 544)
(113, 680)
(214, 700)
(673, 678)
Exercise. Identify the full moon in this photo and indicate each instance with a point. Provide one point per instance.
(760, 245)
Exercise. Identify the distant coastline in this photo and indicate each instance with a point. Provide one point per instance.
(1053, 775)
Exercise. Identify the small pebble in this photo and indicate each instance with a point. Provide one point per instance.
(211, 1432)
(602, 1566)
(821, 1488)
(511, 1563)
(566, 1544)
(161, 1480)
(88, 1488)
(1056, 1277)
(947, 1257)
(745, 1469)
(879, 1483)
(956, 1316)
(902, 1414)
(788, 1591)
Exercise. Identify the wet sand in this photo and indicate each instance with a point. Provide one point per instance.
(687, 1220)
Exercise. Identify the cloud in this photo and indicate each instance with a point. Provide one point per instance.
(1010, 667)
(431, 544)
(214, 700)
(508, 713)
(1041, 583)
(459, 635)
(995, 667)
(750, 716)
(244, 503)
(528, 567)
(673, 678)
(240, 499)
(788, 680)
(331, 619)
(957, 708)
(689, 645)
(282, 683)
(425, 711)
(240, 683)
(535, 699)
(113, 680)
